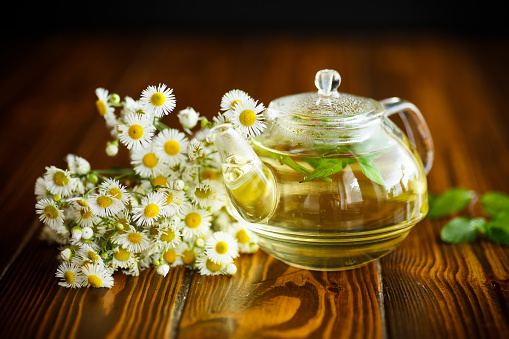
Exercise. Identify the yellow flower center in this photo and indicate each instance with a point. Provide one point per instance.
(172, 147)
(86, 215)
(208, 174)
(69, 277)
(157, 99)
(150, 160)
(170, 256)
(94, 281)
(169, 199)
(82, 203)
(135, 132)
(188, 257)
(221, 247)
(247, 117)
(242, 237)
(115, 192)
(50, 212)
(160, 181)
(92, 256)
(60, 178)
(193, 220)
(212, 266)
(167, 236)
(202, 193)
(234, 103)
(134, 238)
(122, 255)
(103, 201)
(151, 211)
(101, 107)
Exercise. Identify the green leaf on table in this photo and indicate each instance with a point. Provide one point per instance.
(459, 230)
(497, 229)
(370, 170)
(452, 201)
(495, 203)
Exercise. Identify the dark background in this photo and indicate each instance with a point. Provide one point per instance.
(25, 22)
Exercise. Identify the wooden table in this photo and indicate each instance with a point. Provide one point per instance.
(424, 289)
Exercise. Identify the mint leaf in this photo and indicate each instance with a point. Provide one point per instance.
(370, 170)
(452, 201)
(325, 168)
(292, 164)
(459, 230)
(494, 203)
(498, 229)
(480, 224)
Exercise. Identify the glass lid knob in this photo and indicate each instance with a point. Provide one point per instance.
(327, 81)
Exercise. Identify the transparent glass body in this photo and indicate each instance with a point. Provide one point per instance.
(336, 222)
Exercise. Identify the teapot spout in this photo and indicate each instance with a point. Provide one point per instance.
(250, 184)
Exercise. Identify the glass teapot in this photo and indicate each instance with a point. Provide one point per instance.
(332, 183)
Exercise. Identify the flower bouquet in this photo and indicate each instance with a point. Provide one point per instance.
(169, 209)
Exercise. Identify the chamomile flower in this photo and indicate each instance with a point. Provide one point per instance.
(136, 132)
(173, 201)
(40, 189)
(77, 164)
(171, 256)
(232, 99)
(168, 236)
(97, 276)
(132, 106)
(189, 254)
(221, 247)
(208, 267)
(50, 214)
(88, 254)
(115, 189)
(132, 240)
(204, 194)
(195, 149)
(102, 103)
(146, 163)
(170, 145)
(85, 217)
(70, 274)
(104, 204)
(190, 174)
(248, 118)
(158, 101)
(122, 258)
(59, 181)
(149, 210)
(221, 118)
(195, 221)
(246, 241)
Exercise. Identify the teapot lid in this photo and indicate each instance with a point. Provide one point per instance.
(327, 103)
(326, 115)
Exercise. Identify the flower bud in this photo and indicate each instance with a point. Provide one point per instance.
(114, 99)
(231, 269)
(66, 254)
(199, 242)
(57, 197)
(111, 149)
(178, 185)
(163, 269)
(76, 233)
(119, 226)
(93, 178)
(188, 118)
(87, 232)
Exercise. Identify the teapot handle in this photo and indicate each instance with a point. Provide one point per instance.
(416, 128)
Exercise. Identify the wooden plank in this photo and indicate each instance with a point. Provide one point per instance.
(432, 289)
(269, 299)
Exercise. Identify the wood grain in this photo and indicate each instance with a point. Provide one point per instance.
(424, 289)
